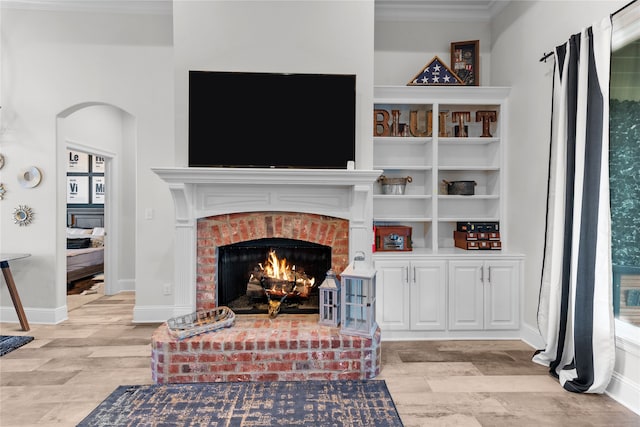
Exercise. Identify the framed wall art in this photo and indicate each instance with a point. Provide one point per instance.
(77, 190)
(97, 190)
(97, 164)
(78, 161)
(465, 61)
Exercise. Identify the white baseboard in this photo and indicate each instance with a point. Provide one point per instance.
(624, 391)
(47, 316)
(531, 336)
(153, 314)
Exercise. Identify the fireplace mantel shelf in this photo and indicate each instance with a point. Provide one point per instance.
(204, 192)
(253, 176)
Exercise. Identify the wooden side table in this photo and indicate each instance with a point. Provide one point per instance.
(13, 291)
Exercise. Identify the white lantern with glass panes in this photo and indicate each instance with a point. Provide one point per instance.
(358, 298)
(329, 300)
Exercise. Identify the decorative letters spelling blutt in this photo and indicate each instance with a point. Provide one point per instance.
(420, 123)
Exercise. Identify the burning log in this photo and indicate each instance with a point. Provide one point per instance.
(277, 279)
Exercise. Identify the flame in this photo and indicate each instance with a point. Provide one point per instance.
(280, 269)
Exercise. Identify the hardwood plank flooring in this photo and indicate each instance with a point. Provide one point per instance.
(68, 369)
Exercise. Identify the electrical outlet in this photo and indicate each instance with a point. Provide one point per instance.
(167, 289)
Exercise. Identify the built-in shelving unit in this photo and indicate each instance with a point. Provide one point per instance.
(430, 150)
(437, 290)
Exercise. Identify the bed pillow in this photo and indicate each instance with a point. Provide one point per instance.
(78, 232)
(97, 237)
(97, 231)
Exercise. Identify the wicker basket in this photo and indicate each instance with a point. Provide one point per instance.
(197, 323)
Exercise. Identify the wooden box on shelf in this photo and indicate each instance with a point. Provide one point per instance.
(476, 240)
(393, 238)
(472, 235)
(478, 244)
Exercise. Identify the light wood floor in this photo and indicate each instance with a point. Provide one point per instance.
(61, 376)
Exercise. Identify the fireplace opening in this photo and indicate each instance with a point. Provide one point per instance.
(247, 280)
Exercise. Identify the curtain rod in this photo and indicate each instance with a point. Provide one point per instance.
(623, 7)
(546, 56)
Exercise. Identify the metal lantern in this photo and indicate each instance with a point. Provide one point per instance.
(358, 298)
(330, 300)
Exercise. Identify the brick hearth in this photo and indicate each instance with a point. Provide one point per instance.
(257, 348)
(288, 348)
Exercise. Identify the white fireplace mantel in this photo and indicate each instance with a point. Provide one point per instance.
(203, 192)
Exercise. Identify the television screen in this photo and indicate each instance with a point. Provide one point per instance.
(271, 120)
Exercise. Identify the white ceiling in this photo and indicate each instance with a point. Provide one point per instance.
(386, 10)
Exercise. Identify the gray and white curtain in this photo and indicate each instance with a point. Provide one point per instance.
(575, 311)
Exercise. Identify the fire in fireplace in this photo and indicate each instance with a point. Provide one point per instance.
(257, 274)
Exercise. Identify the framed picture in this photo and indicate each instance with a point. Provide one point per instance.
(97, 190)
(97, 164)
(465, 61)
(77, 190)
(77, 161)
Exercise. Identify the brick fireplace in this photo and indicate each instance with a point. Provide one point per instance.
(227, 229)
(220, 206)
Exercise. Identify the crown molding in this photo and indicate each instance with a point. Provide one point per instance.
(438, 11)
(385, 10)
(154, 7)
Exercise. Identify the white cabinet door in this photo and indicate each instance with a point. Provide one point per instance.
(466, 304)
(502, 309)
(392, 295)
(428, 295)
(484, 295)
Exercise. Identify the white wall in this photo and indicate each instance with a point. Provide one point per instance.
(402, 49)
(52, 61)
(521, 35)
(277, 36)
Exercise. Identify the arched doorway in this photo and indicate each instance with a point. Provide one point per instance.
(106, 131)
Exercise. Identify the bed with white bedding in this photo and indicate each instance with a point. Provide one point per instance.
(84, 262)
(85, 244)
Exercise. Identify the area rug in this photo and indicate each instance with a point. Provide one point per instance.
(241, 404)
(8, 343)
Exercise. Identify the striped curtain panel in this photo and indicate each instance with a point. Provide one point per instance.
(575, 311)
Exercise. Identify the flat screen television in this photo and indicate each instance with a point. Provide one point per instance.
(271, 120)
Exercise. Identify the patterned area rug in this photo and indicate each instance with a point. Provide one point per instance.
(281, 403)
(8, 343)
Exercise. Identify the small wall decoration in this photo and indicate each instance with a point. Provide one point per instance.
(435, 73)
(22, 215)
(465, 61)
(1, 161)
(2, 191)
(30, 177)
